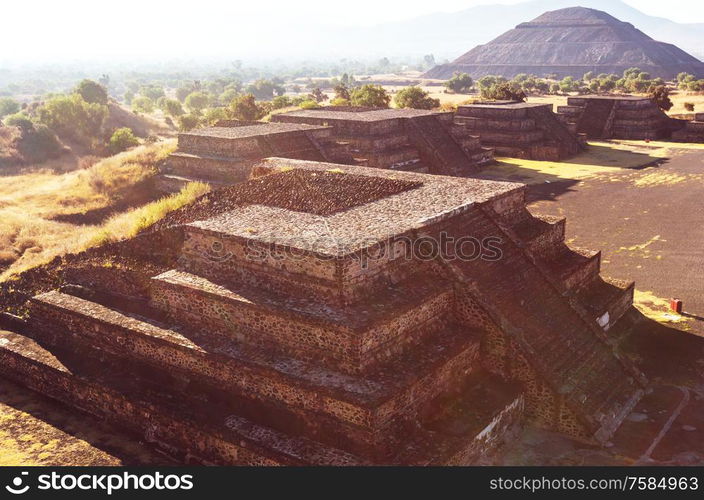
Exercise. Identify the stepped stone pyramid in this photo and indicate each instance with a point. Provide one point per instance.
(572, 42)
(225, 154)
(400, 139)
(520, 130)
(617, 117)
(335, 315)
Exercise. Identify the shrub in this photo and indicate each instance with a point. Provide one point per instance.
(460, 83)
(197, 101)
(8, 106)
(19, 120)
(416, 98)
(92, 92)
(172, 107)
(340, 101)
(309, 104)
(188, 122)
(39, 144)
(153, 92)
(660, 95)
(245, 107)
(504, 91)
(370, 95)
(214, 115)
(122, 139)
(142, 104)
(689, 106)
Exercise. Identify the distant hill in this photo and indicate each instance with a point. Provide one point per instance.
(571, 42)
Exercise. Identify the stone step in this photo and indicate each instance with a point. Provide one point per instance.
(204, 435)
(388, 157)
(351, 337)
(605, 300)
(455, 430)
(368, 402)
(572, 267)
(541, 235)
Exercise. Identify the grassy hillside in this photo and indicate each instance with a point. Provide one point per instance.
(34, 206)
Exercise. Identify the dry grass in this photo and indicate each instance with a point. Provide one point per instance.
(600, 158)
(28, 235)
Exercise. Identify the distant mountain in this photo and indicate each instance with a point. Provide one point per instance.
(448, 35)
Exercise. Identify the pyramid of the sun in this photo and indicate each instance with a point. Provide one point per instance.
(572, 42)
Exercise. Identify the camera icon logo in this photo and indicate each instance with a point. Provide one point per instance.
(16, 488)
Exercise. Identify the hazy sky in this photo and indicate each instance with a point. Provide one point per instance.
(48, 29)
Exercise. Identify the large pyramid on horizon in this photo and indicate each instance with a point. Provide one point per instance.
(571, 42)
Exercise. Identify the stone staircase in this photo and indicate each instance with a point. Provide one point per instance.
(438, 147)
(552, 302)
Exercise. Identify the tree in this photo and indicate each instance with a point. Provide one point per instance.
(281, 101)
(121, 140)
(416, 98)
(188, 122)
(214, 115)
(70, 116)
(129, 95)
(245, 108)
(689, 106)
(197, 101)
(153, 92)
(370, 95)
(342, 92)
(172, 107)
(142, 104)
(588, 76)
(265, 89)
(660, 95)
(20, 120)
(92, 92)
(8, 106)
(317, 95)
(429, 60)
(460, 83)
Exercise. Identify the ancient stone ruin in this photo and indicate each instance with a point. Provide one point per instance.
(400, 139)
(572, 42)
(617, 117)
(336, 315)
(225, 154)
(520, 130)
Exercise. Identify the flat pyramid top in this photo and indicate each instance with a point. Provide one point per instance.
(336, 210)
(248, 131)
(576, 15)
(361, 114)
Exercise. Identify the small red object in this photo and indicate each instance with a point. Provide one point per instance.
(676, 305)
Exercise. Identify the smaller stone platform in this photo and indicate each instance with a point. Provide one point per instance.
(616, 117)
(224, 154)
(520, 130)
(399, 139)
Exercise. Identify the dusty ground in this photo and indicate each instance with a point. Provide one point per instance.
(35, 430)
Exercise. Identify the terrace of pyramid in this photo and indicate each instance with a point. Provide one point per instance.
(400, 139)
(335, 315)
(521, 130)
